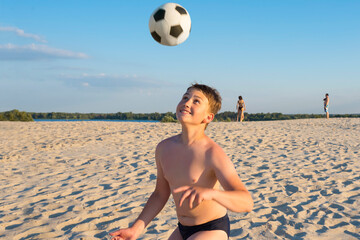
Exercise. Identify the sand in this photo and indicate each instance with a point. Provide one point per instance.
(82, 180)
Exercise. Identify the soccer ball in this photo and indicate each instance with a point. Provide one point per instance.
(170, 24)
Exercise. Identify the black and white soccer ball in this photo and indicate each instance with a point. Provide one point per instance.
(170, 24)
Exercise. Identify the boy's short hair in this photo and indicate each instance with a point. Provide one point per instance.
(211, 94)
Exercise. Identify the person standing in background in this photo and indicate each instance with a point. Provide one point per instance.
(326, 105)
(240, 107)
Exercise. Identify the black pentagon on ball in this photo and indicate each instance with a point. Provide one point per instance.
(180, 10)
(159, 15)
(156, 36)
(175, 31)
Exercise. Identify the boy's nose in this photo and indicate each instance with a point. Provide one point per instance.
(187, 103)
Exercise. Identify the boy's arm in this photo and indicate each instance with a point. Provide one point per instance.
(235, 196)
(153, 206)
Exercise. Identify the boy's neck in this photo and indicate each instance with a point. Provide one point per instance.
(191, 134)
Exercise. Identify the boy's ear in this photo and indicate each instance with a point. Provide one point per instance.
(209, 117)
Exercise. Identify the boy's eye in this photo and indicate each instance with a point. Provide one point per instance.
(196, 101)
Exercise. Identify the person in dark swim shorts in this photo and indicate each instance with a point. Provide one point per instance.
(217, 224)
(196, 171)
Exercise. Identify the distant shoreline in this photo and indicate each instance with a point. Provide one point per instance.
(16, 115)
(220, 117)
(92, 120)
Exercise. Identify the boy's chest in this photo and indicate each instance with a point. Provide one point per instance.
(185, 167)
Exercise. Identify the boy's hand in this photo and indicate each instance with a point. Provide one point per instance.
(123, 234)
(195, 194)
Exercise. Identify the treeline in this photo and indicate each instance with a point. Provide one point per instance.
(105, 116)
(221, 117)
(231, 116)
(16, 115)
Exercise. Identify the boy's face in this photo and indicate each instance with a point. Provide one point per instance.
(194, 108)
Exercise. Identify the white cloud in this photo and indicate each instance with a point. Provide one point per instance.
(36, 52)
(21, 33)
(108, 81)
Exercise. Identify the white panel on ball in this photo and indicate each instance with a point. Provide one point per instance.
(170, 24)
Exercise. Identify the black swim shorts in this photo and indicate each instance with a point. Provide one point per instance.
(222, 223)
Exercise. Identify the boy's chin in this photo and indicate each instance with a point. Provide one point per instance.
(183, 119)
(182, 116)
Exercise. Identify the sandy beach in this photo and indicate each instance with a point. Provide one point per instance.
(82, 180)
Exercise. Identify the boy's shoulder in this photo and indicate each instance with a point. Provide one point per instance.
(214, 149)
(167, 142)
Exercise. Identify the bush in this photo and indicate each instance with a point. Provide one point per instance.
(168, 118)
(16, 115)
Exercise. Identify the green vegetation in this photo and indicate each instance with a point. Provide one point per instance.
(225, 116)
(16, 115)
(104, 116)
(168, 118)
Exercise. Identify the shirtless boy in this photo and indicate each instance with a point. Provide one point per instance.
(192, 167)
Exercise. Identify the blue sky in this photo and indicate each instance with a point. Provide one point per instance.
(98, 56)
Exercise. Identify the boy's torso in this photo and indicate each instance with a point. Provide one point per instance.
(191, 166)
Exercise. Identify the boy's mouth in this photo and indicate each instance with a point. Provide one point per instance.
(183, 111)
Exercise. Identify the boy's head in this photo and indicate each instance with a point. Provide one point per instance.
(213, 103)
(211, 94)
